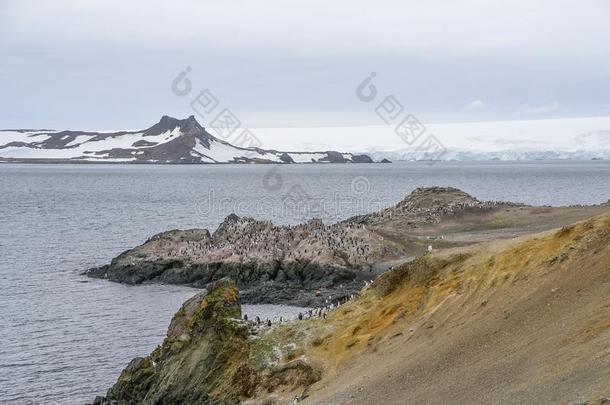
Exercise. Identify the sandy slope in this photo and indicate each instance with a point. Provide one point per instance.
(511, 322)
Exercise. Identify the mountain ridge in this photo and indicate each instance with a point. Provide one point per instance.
(171, 140)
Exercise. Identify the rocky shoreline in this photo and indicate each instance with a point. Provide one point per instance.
(208, 357)
(302, 264)
(297, 265)
(290, 283)
(520, 310)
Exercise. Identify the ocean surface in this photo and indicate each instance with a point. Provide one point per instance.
(65, 338)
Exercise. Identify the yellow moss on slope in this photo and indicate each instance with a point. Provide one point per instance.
(412, 292)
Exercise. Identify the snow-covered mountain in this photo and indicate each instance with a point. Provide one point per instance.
(169, 141)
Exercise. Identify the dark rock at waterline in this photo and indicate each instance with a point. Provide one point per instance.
(362, 159)
(292, 283)
(299, 264)
(203, 339)
(210, 356)
(293, 264)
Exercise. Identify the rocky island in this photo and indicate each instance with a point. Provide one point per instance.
(304, 264)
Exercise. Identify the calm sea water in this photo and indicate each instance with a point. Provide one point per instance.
(65, 338)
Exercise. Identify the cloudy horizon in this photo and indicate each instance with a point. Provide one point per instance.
(110, 65)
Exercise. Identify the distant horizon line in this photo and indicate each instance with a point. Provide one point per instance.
(377, 125)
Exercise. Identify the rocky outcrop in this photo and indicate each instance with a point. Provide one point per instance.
(305, 263)
(272, 264)
(299, 264)
(303, 284)
(431, 205)
(362, 159)
(205, 349)
(208, 357)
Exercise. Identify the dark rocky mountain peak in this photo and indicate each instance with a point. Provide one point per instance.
(167, 123)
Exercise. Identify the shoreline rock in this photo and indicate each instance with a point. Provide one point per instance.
(297, 265)
(208, 357)
(302, 264)
(290, 283)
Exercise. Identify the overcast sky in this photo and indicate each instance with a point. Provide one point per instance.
(110, 64)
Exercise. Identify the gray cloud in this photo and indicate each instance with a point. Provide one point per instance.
(108, 64)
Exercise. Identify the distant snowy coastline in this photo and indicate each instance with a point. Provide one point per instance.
(184, 141)
(505, 155)
(171, 140)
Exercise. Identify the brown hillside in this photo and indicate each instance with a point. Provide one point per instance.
(520, 321)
